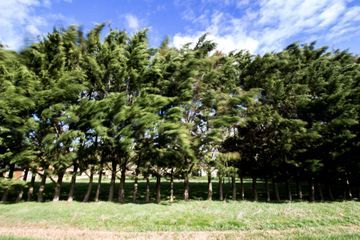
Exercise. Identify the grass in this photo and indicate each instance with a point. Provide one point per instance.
(333, 220)
(14, 238)
(181, 216)
(260, 220)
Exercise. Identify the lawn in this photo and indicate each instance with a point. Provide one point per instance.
(229, 220)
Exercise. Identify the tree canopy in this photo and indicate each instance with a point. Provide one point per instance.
(91, 103)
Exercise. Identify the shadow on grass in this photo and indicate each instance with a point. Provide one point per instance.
(198, 191)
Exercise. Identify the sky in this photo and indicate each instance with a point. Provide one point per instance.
(258, 26)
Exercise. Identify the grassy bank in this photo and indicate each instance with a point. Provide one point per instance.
(301, 218)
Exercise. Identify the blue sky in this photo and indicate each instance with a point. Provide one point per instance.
(257, 26)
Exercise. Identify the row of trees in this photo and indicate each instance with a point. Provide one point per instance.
(77, 101)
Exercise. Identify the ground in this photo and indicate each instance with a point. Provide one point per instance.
(181, 220)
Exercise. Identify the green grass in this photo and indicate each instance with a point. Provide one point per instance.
(299, 220)
(296, 220)
(14, 238)
(189, 216)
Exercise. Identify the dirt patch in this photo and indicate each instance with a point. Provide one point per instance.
(61, 233)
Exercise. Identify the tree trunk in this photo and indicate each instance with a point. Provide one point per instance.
(10, 176)
(11, 171)
(26, 173)
(312, 190)
(221, 193)
(186, 187)
(242, 190)
(299, 189)
(267, 190)
(58, 187)
(147, 189)
(172, 185)
(31, 186)
(2, 166)
(276, 190)
(158, 187)
(348, 188)
(98, 188)
(255, 193)
(320, 192)
(135, 193)
(89, 189)
(21, 193)
(42, 187)
(112, 181)
(331, 196)
(233, 184)
(72, 182)
(210, 187)
(122, 185)
(5, 195)
(288, 187)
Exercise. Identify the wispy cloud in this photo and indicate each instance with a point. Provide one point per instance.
(269, 24)
(19, 23)
(132, 22)
(226, 37)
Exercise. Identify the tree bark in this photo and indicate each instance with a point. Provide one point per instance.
(42, 187)
(98, 188)
(320, 192)
(255, 193)
(268, 198)
(186, 187)
(10, 176)
(21, 193)
(158, 188)
(221, 193)
(5, 195)
(58, 184)
(312, 190)
(299, 189)
(348, 188)
(122, 185)
(210, 187)
(288, 187)
(89, 189)
(242, 190)
(233, 184)
(172, 185)
(135, 193)
(26, 173)
(112, 181)
(147, 189)
(11, 171)
(31, 186)
(276, 190)
(331, 196)
(72, 182)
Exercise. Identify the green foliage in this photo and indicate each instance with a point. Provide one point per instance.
(87, 100)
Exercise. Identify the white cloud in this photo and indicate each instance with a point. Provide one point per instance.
(270, 24)
(17, 21)
(227, 38)
(132, 22)
(347, 26)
